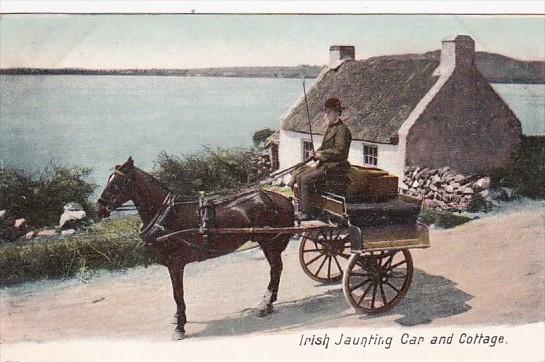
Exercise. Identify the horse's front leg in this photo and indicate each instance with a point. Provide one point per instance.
(176, 270)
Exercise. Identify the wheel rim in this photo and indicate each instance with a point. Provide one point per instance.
(324, 254)
(375, 282)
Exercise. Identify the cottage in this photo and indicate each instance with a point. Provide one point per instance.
(408, 110)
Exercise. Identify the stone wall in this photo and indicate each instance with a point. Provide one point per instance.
(447, 189)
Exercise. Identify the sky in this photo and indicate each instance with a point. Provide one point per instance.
(196, 41)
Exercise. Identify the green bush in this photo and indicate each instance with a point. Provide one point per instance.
(39, 197)
(111, 244)
(442, 219)
(526, 176)
(260, 137)
(210, 170)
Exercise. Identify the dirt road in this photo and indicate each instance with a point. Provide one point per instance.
(488, 271)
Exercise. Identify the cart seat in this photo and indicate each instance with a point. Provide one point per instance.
(393, 212)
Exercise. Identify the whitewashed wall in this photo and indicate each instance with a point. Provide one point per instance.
(290, 151)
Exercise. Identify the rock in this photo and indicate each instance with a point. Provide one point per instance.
(484, 194)
(436, 180)
(71, 219)
(508, 192)
(415, 184)
(68, 232)
(442, 170)
(3, 214)
(46, 233)
(468, 190)
(20, 223)
(73, 206)
(29, 235)
(482, 183)
(459, 178)
(455, 185)
(449, 189)
(429, 204)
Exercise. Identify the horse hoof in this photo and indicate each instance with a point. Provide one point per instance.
(263, 311)
(177, 335)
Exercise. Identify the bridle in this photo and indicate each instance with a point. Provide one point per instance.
(112, 191)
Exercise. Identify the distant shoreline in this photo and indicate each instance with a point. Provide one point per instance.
(232, 72)
(308, 76)
(496, 68)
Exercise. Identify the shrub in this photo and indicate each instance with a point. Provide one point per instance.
(260, 137)
(210, 170)
(111, 244)
(526, 176)
(442, 219)
(39, 197)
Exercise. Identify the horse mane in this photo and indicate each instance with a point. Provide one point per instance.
(153, 179)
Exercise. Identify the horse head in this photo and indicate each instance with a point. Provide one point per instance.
(118, 190)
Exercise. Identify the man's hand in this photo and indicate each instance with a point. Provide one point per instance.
(316, 155)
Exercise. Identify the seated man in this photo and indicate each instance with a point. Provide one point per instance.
(331, 156)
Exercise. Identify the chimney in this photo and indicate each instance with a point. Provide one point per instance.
(457, 52)
(339, 53)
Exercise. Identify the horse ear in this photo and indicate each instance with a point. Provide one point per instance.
(117, 167)
(130, 161)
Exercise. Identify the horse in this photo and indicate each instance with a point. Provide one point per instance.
(255, 208)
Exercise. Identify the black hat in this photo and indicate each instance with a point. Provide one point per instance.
(333, 103)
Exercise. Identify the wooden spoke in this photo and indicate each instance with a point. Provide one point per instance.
(377, 268)
(365, 293)
(325, 246)
(388, 262)
(383, 294)
(391, 286)
(360, 284)
(397, 264)
(329, 267)
(321, 265)
(338, 264)
(361, 274)
(374, 295)
(314, 259)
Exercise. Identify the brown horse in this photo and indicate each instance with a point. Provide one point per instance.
(257, 208)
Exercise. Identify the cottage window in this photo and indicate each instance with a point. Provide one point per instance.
(370, 155)
(307, 150)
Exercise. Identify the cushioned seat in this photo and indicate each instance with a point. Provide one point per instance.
(393, 212)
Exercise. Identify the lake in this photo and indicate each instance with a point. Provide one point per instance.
(98, 121)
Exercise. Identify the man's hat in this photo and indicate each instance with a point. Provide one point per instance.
(333, 103)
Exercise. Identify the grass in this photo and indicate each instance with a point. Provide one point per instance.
(442, 219)
(111, 244)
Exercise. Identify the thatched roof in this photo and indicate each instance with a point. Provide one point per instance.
(378, 93)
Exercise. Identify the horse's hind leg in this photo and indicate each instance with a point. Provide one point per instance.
(273, 253)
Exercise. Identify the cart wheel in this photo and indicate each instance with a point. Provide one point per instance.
(375, 282)
(324, 254)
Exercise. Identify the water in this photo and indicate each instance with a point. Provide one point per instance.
(98, 121)
(528, 103)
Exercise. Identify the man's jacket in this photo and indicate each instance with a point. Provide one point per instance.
(335, 147)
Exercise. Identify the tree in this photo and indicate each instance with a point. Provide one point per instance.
(260, 137)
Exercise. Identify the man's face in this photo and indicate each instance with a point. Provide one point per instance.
(331, 115)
